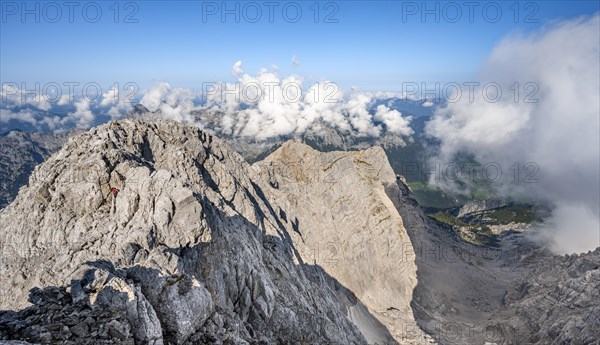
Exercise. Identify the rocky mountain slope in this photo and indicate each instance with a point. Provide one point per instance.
(192, 247)
(20, 152)
(555, 302)
(512, 293)
(343, 208)
(154, 232)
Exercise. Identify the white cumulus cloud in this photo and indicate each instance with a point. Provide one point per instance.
(267, 105)
(237, 69)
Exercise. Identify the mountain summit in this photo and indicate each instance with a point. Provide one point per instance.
(155, 232)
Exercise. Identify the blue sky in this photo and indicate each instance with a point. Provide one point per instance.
(374, 45)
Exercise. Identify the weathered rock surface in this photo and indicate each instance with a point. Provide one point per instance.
(343, 209)
(480, 206)
(101, 308)
(193, 240)
(194, 246)
(556, 303)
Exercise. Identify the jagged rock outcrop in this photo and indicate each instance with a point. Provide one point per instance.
(556, 303)
(100, 308)
(480, 206)
(20, 152)
(141, 232)
(192, 239)
(343, 209)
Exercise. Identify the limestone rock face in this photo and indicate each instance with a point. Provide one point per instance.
(341, 204)
(192, 248)
(141, 232)
(479, 206)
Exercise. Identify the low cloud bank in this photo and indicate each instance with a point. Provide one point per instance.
(267, 106)
(548, 124)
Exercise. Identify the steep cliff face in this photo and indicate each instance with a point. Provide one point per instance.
(479, 206)
(157, 233)
(343, 210)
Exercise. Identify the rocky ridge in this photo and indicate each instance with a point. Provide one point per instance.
(191, 240)
(194, 247)
(198, 247)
